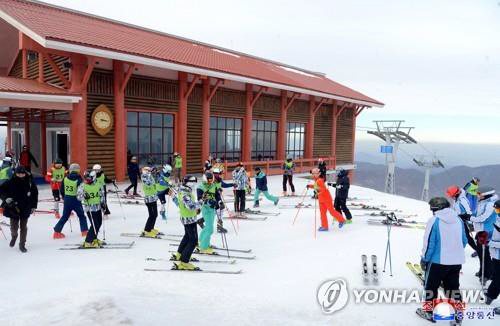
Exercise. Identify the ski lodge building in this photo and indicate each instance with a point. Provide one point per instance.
(88, 89)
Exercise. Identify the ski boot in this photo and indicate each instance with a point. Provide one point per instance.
(427, 315)
(57, 215)
(23, 248)
(12, 242)
(341, 224)
(208, 251)
(497, 311)
(348, 221)
(149, 234)
(322, 229)
(58, 235)
(100, 242)
(256, 204)
(176, 256)
(90, 245)
(158, 232)
(185, 266)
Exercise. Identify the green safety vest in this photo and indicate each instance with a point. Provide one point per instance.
(57, 174)
(178, 162)
(149, 190)
(70, 187)
(288, 165)
(472, 189)
(185, 212)
(93, 191)
(211, 189)
(4, 173)
(159, 187)
(100, 180)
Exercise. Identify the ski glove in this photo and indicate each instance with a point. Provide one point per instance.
(221, 204)
(201, 222)
(423, 264)
(464, 217)
(482, 238)
(86, 196)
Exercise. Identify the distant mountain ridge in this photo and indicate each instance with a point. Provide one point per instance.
(409, 182)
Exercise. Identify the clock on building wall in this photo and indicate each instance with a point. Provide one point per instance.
(102, 120)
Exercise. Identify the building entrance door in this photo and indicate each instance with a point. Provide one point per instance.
(17, 141)
(58, 145)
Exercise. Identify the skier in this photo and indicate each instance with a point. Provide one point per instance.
(69, 190)
(19, 197)
(442, 253)
(91, 194)
(342, 193)
(133, 175)
(288, 167)
(220, 186)
(218, 165)
(209, 198)
(494, 244)
(207, 166)
(483, 225)
(55, 176)
(25, 159)
(462, 208)
(102, 180)
(6, 170)
(189, 209)
(150, 199)
(471, 188)
(261, 186)
(322, 169)
(240, 179)
(163, 188)
(177, 167)
(325, 201)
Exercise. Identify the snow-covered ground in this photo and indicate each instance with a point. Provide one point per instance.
(47, 286)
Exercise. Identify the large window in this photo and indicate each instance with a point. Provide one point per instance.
(295, 135)
(150, 136)
(264, 134)
(225, 138)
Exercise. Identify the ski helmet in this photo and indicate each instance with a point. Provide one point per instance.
(167, 169)
(208, 177)
(257, 169)
(341, 173)
(96, 167)
(438, 203)
(58, 161)
(486, 191)
(453, 191)
(89, 176)
(476, 180)
(189, 179)
(133, 158)
(74, 167)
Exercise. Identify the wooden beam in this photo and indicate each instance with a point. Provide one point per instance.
(256, 97)
(191, 86)
(24, 63)
(41, 76)
(321, 102)
(57, 70)
(289, 104)
(214, 89)
(130, 70)
(88, 72)
(359, 110)
(344, 106)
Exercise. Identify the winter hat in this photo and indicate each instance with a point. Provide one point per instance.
(20, 169)
(438, 203)
(74, 167)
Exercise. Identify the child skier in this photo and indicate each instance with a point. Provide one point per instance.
(163, 188)
(494, 288)
(189, 209)
(220, 186)
(55, 176)
(69, 190)
(90, 193)
(325, 201)
(133, 175)
(288, 167)
(150, 199)
(471, 192)
(102, 180)
(240, 180)
(209, 197)
(261, 186)
(177, 168)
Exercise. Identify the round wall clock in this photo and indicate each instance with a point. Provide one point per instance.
(102, 120)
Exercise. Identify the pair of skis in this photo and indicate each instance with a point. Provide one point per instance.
(197, 269)
(365, 270)
(416, 270)
(126, 245)
(399, 223)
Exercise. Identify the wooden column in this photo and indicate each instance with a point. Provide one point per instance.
(205, 120)
(181, 125)
(78, 129)
(247, 125)
(309, 148)
(41, 78)
(24, 63)
(120, 121)
(9, 136)
(43, 144)
(334, 129)
(27, 138)
(281, 142)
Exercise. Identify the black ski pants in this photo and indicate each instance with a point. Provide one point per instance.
(189, 242)
(239, 200)
(487, 258)
(132, 185)
(288, 178)
(95, 222)
(152, 215)
(340, 205)
(494, 288)
(448, 275)
(22, 224)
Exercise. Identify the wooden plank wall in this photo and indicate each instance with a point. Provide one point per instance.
(50, 76)
(322, 143)
(298, 112)
(344, 137)
(267, 107)
(100, 149)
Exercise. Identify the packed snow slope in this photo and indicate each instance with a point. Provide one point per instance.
(47, 286)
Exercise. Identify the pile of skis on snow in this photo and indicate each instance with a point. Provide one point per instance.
(392, 220)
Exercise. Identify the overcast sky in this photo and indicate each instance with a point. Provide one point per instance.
(434, 63)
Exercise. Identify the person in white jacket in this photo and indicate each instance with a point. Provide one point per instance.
(494, 244)
(442, 253)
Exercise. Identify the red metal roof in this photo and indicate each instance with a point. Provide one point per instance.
(55, 23)
(19, 85)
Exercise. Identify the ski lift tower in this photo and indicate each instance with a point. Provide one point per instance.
(428, 163)
(392, 133)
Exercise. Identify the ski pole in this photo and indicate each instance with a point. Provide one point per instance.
(119, 201)
(300, 205)
(70, 225)
(315, 200)
(482, 267)
(229, 213)
(223, 235)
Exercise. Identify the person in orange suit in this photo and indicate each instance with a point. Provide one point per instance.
(325, 201)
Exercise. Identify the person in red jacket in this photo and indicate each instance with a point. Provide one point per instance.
(55, 176)
(25, 159)
(325, 201)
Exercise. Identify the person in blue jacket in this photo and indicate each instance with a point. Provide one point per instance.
(261, 186)
(69, 191)
(494, 244)
(483, 225)
(133, 175)
(442, 253)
